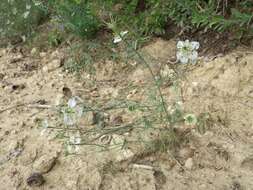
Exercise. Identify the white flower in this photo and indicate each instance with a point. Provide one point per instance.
(28, 7)
(68, 119)
(73, 143)
(37, 3)
(44, 124)
(26, 14)
(43, 132)
(72, 112)
(195, 45)
(167, 72)
(182, 57)
(118, 38)
(187, 51)
(72, 102)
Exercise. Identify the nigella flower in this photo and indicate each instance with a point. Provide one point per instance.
(118, 38)
(44, 125)
(28, 7)
(73, 144)
(72, 112)
(26, 14)
(187, 51)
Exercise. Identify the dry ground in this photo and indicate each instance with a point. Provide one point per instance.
(220, 159)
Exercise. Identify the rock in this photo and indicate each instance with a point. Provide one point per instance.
(247, 163)
(28, 157)
(54, 64)
(3, 52)
(1, 76)
(33, 51)
(45, 163)
(55, 54)
(43, 54)
(58, 99)
(118, 7)
(67, 92)
(116, 120)
(35, 180)
(45, 69)
(124, 154)
(89, 118)
(189, 164)
(16, 58)
(186, 152)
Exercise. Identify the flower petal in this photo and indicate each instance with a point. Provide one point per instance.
(123, 33)
(194, 57)
(180, 44)
(72, 102)
(117, 39)
(184, 60)
(68, 119)
(79, 111)
(195, 45)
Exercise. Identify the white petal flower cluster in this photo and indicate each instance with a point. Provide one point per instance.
(73, 144)
(187, 51)
(72, 112)
(118, 38)
(44, 125)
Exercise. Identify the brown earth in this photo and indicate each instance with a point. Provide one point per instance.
(219, 159)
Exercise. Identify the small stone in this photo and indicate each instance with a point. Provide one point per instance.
(35, 180)
(43, 54)
(189, 164)
(203, 186)
(1, 76)
(90, 118)
(124, 154)
(33, 51)
(58, 99)
(186, 152)
(55, 54)
(3, 52)
(45, 163)
(67, 92)
(247, 163)
(45, 69)
(56, 63)
(116, 120)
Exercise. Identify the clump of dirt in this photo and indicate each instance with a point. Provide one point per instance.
(218, 158)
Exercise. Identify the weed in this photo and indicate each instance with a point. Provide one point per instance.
(19, 18)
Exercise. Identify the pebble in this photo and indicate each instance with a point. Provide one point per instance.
(33, 51)
(43, 54)
(54, 64)
(35, 180)
(189, 164)
(186, 152)
(45, 163)
(247, 163)
(124, 154)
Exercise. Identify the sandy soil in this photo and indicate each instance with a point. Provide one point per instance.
(219, 159)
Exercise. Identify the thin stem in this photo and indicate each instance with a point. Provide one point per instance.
(153, 76)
